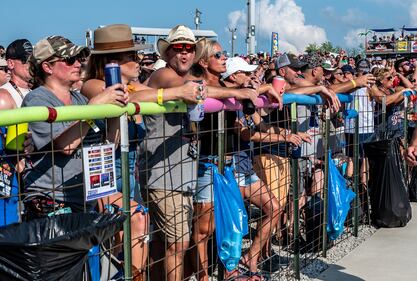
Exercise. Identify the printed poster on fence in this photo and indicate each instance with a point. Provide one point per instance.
(99, 171)
(402, 46)
(414, 46)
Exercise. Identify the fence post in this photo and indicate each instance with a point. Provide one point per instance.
(220, 148)
(405, 137)
(326, 180)
(124, 148)
(294, 175)
(356, 177)
(384, 114)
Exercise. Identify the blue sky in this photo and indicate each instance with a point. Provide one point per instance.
(298, 21)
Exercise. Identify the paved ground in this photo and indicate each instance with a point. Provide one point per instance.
(389, 255)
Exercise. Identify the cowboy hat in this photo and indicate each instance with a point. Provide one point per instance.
(180, 34)
(115, 38)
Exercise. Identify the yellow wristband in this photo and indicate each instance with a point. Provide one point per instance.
(160, 96)
(353, 83)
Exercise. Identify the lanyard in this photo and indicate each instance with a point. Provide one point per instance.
(17, 89)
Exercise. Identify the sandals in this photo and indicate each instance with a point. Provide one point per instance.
(251, 275)
(236, 275)
(247, 276)
(257, 276)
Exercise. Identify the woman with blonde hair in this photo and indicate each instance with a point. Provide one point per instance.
(384, 90)
(210, 67)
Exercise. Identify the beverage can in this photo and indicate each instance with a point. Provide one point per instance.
(278, 83)
(112, 74)
(196, 111)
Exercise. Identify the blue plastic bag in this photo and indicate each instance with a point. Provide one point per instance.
(230, 217)
(339, 198)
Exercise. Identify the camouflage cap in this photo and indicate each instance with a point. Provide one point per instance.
(313, 61)
(57, 46)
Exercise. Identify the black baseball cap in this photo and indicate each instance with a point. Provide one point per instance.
(348, 68)
(398, 62)
(19, 49)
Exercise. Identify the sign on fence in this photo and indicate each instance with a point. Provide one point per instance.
(99, 171)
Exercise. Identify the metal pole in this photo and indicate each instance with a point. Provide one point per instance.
(127, 242)
(356, 177)
(251, 40)
(197, 19)
(384, 114)
(405, 173)
(326, 180)
(233, 30)
(220, 143)
(294, 173)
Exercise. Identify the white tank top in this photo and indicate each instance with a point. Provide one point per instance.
(17, 97)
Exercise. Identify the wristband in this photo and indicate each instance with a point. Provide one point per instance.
(353, 83)
(160, 96)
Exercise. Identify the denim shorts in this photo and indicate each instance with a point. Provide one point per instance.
(204, 192)
(134, 185)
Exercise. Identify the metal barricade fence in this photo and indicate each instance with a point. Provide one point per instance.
(294, 183)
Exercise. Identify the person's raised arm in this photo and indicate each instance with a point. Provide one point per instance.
(349, 86)
(378, 95)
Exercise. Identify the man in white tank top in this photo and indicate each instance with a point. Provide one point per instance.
(17, 55)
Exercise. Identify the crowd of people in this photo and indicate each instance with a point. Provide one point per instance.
(165, 176)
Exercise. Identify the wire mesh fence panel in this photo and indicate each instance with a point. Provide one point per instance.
(280, 161)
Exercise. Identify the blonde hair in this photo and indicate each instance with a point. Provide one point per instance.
(208, 49)
(381, 73)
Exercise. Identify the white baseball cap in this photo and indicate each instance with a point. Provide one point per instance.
(236, 64)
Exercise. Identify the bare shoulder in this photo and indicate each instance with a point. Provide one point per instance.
(165, 78)
(137, 86)
(6, 100)
(92, 87)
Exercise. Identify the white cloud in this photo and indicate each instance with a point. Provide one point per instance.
(353, 18)
(284, 17)
(328, 11)
(413, 13)
(353, 39)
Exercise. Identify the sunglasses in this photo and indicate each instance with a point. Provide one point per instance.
(404, 64)
(147, 63)
(218, 55)
(389, 78)
(3, 68)
(71, 60)
(244, 72)
(189, 48)
(131, 57)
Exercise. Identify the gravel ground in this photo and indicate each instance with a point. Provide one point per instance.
(311, 264)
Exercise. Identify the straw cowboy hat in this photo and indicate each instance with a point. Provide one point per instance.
(115, 38)
(180, 34)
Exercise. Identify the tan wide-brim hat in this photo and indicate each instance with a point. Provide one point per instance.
(177, 35)
(115, 38)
